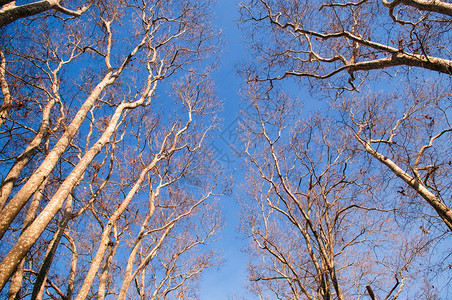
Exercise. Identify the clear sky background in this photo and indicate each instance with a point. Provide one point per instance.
(229, 280)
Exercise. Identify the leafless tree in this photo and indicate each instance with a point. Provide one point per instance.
(87, 158)
(177, 268)
(317, 228)
(408, 133)
(322, 39)
(346, 44)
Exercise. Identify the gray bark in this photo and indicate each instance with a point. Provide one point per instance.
(16, 281)
(11, 13)
(129, 275)
(112, 247)
(7, 98)
(33, 232)
(41, 278)
(131, 261)
(29, 237)
(70, 287)
(95, 264)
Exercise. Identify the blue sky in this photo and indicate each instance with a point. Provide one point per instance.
(229, 280)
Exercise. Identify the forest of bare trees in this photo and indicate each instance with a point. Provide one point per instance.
(107, 106)
(354, 198)
(110, 190)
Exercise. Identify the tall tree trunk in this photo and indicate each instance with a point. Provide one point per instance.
(29, 237)
(12, 208)
(16, 280)
(112, 247)
(23, 159)
(70, 285)
(103, 246)
(7, 98)
(41, 278)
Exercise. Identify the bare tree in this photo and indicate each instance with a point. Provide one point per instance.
(179, 263)
(322, 39)
(345, 45)
(409, 137)
(88, 79)
(317, 228)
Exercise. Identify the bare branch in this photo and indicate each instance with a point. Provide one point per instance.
(11, 13)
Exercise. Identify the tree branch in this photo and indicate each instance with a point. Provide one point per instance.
(11, 13)
(437, 6)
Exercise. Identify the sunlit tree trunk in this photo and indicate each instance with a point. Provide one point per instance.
(16, 280)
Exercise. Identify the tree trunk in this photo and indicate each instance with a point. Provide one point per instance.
(12, 208)
(41, 278)
(112, 247)
(7, 98)
(23, 159)
(16, 280)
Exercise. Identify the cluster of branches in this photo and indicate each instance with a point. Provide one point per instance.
(353, 200)
(322, 39)
(322, 231)
(107, 185)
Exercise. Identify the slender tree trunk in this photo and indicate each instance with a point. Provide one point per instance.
(103, 246)
(33, 232)
(7, 98)
(30, 236)
(12, 208)
(131, 261)
(41, 278)
(16, 281)
(127, 281)
(23, 159)
(142, 284)
(70, 286)
(112, 247)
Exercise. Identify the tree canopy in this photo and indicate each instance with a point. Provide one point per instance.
(110, 187)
